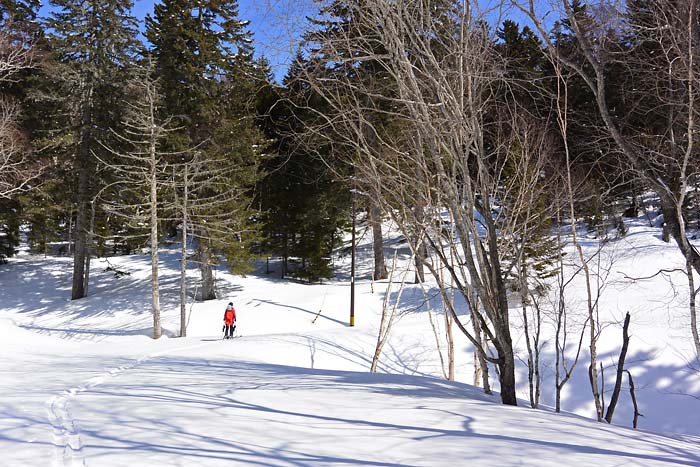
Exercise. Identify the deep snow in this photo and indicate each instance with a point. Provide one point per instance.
(83, 384)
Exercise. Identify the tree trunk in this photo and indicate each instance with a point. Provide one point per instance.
(208, 286)
(155, 305)
(420, 270)
(620, 369)
(673, 227)
(634, 400)
(506, 376)
(70, 232)
(537, 349)
(375, 218)
(81, 227)
(693, 310)
(450, 347)
(530, 360)
(477, 370)
(183, 261)
(524, 297)
(85, 172)
(480, 363)
(88, 246)
(285, 257)
(419, 245)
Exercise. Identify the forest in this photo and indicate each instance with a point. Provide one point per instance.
(496, 143)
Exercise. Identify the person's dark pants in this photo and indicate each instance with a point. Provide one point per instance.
(228, 330)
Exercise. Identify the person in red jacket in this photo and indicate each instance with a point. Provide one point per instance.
(229, 321)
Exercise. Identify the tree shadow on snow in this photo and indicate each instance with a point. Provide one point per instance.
(237, 397)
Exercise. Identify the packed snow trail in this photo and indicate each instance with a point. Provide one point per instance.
(68, 445)
(220, 406)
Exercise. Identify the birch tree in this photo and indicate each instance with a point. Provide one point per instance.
(656, 129)
(441, 149)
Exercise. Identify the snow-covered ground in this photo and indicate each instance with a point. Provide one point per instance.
(83, 384)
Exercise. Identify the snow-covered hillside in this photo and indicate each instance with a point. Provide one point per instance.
(83, 384)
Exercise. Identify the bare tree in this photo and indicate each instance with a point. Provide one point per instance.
(182, 199)
(142, 171)
(633, 396)
(620, 369)
(15, 172)
(441, 154)
(662, 57)
(563, 367)
(16, 52)
(389, 313)
(157, 186)
(17, 169)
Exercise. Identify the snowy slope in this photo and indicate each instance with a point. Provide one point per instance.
(82, 384)
(223, 403)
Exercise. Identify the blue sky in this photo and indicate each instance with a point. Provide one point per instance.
(274, 24)
(277, 24)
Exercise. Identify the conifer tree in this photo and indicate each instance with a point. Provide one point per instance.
(205, 64)
(304, 204)
(95, 42)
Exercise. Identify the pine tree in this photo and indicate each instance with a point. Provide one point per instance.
(19, 10)
(95, 41)
(595, 161)
(207, 73)
(333, 56)
(304, 205)
(10, 211)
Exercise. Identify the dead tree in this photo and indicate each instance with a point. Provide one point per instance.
(633, 396)
(142, 171)
(620, 369)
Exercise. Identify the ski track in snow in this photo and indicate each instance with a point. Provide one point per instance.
(68, 446)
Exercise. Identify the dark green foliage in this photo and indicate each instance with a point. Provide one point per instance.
(202, 53)
(304, 206)
(9, 228)
(92, 45)
(525, 66)
(208, 78)
(19, 10)
(43, 219)
(293, 201)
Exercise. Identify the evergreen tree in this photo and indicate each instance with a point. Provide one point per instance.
(525, 68)
(304, 206)
(10, 211)
(205, 65)
(524, 94)
(19, 10)
(595, 161)
(95, 42)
